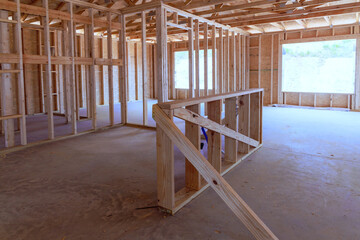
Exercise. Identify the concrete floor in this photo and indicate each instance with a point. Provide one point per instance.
(303, 183)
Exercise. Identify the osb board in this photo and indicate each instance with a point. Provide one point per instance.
(307, 99)
(322, 100)
(340, 100)
(32, 72)
(292, 98)
(265, 67)
(254, 58)
(254, 76)
(254, 41)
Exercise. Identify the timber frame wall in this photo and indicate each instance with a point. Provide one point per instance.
(266, 62)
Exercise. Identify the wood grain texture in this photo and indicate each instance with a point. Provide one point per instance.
(238, 206)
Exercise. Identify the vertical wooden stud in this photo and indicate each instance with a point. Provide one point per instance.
(205, 59)
(244, 121)
(197, 59)
(214, 138)
(110, 71)
(191, 57)
(192, 132)
(232, 123)
(144, 70)
(49, 100)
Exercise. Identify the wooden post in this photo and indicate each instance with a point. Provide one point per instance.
(110, 72)
(21, 90)
(214, 138)
(238, 62)
(226, 70)
(255, 111)
(191, 57)
(72, 70)
(232, 123)
(123, 89)
(244, 121)
(205, 59)
(197, 59)
(92, 70)
(221, 61)
(144, 70)
(280, 94)
(49, 100)
(214, 66)
(161, 47)
(7, 85)
(192, 132)
(165, 168)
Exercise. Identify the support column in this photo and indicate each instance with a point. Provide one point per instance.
(7, 85)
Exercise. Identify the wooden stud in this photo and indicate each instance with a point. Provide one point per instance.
(123, 88)
(21, 90)
(232, 123)
(110, 72)
(92, 71)
(192, 132)
(165, 167)
(221, 62)
(206, 59)
(191, 58)
(244, 121)
(72, 71)
(162, 78)
(197, 59)
(48, 75)
(214, 138)
(7, 86)
(214, 66)
(255, 116)
(144, 70)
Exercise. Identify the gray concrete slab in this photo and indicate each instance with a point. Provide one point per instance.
(303, 183)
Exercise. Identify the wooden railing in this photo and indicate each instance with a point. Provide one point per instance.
(242, 128)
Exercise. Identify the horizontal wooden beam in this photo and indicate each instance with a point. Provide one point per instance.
(211, 125)
(11, 58)
(54, 14)
(205, 99)
(301, 14)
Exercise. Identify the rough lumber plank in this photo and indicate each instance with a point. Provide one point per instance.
(187, 102)
(193, 117)
(110, 72)
(144, 70)
(49, 99)
(191, 58)
(214, 138)
(7, 83)
(21, 87)
(123, 91)
(244, 121)
(161, 54)
(192, 132)
(255, 116)
(92, 70)
(165, 167)
(72, 70)
(216, 181)
(231, 123)
(214, 67)
(205, 59)
(197, 59)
